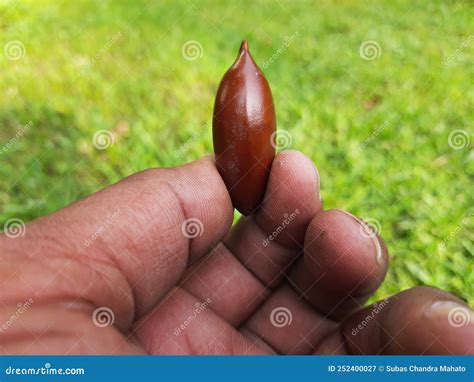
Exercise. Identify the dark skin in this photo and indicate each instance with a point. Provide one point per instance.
(319, 269)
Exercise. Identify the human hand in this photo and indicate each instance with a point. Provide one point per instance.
(154, 254)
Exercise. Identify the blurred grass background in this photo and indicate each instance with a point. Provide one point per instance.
(378, 129)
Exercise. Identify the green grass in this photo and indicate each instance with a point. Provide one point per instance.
(403, 104)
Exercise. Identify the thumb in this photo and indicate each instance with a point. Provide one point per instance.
(420, 320)
(123, 247)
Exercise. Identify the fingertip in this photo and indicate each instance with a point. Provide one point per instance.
(292, 191)
(452, 322)
(343, 256)
(419, 320)
(297, 162)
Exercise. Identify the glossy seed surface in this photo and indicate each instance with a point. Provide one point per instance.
(243, 126)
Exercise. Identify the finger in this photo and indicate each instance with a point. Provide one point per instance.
(269, 241)
(184, 324)
(238, 284)
(123, 247)
(288, 324)
(344, 263)
(420, 320)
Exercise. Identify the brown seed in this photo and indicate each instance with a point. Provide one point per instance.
(243, 128)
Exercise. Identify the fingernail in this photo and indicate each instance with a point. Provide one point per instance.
(456, 313)
(319, 181)
(372, 234)
(316, 172)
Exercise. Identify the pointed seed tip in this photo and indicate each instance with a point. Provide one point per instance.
(244, 46)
